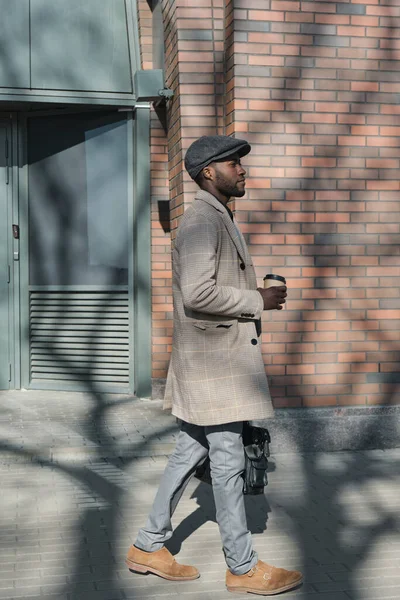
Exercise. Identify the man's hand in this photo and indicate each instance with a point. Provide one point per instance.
(274, 297)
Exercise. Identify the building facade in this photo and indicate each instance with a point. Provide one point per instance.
(74, 209)
(314, 87)
(93, 185)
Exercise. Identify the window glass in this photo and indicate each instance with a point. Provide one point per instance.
(78, 200)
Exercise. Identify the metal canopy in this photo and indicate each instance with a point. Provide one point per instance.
(72, 52)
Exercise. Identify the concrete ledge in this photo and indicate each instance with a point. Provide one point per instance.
(158, 389)
(334, 429)
(328, 429)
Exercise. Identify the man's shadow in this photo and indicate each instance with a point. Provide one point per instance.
(257, 509)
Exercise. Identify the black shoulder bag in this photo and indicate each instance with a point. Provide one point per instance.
(256, 442)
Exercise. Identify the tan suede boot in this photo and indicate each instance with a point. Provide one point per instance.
(161, 563)
(263, 580)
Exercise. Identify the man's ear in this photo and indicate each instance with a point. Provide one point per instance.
(207, 173)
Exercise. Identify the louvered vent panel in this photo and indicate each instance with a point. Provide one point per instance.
(79, 336)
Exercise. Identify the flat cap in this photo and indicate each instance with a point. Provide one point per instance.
(209, 148)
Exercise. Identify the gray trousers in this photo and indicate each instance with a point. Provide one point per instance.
(223, 444)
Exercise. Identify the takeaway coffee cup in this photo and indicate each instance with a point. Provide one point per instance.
(272, 280)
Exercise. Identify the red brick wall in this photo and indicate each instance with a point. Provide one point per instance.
(161, 251)
(161, 238)
(145, 34)
(194, 40)
(194, 71)
(314, 87)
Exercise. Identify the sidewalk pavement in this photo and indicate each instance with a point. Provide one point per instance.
(78, 476)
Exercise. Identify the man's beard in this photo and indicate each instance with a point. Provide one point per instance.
(227, 188)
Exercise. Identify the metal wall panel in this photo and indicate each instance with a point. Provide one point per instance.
(4, 266)
(141, 255)
(14, 44)
(78, 199)
(80, 46)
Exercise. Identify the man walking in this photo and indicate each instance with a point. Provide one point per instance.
(216, 378)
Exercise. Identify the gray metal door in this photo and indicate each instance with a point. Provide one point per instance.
(78, 218)
(4, 262)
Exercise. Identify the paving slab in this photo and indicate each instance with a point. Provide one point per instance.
(78, 476)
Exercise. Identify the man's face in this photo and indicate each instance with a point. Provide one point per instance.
(229, 176)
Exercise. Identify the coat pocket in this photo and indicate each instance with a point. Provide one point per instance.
(217, 326)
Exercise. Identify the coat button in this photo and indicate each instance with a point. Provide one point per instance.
(254, 342)
(242, 266)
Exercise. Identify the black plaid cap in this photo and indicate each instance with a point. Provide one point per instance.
(209, 148)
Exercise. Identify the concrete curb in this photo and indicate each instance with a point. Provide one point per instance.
(334, 429)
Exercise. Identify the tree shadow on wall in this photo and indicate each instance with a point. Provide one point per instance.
(335, 184)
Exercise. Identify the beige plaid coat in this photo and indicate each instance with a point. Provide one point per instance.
(216, 373)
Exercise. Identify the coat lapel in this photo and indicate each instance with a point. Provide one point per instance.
(229, 224)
